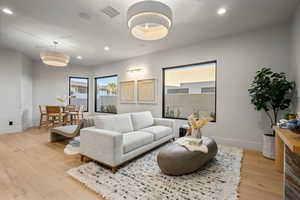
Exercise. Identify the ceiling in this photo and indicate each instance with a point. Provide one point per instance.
(82, 29)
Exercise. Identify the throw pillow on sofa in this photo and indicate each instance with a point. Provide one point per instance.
(120, 123)
(106, 122)
(123, 123)
(142, 120)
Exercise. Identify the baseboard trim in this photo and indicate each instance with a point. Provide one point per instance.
(10, 131)
(239, 143)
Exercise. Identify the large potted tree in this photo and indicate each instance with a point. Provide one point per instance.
(271, 93)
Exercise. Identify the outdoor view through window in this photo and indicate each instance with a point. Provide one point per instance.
(106, 94)
(190, 89)
(79, 91)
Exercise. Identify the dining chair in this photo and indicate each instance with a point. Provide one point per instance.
(55, 115)
(70, 108)
(43, 116)
(78, 115)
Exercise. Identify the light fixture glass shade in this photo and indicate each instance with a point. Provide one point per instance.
(55, 59)
(149, 20)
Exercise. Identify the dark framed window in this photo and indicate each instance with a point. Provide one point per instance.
(190, 89)
(79, 91)
(106, 94)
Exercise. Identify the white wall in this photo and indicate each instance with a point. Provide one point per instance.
(50, 82)
(239, 57)
(295, 46)
(15, 88)
(26, 93)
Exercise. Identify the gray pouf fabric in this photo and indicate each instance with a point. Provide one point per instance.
(177, 160)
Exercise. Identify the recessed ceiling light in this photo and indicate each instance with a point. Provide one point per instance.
(222, 11)
(106, 48)
(7, 11)
(79, 57)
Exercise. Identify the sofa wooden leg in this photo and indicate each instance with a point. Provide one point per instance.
(114, 169)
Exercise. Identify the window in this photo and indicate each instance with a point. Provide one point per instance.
(178, 91)
(106, 90)
(79, 91)
(190, 89)
(208, 90)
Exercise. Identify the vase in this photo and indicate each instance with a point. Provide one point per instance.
(269, 146)
(196, 133)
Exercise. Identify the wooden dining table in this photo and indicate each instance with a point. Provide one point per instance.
(61, 114)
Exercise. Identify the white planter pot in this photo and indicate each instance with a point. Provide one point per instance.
(269, 146)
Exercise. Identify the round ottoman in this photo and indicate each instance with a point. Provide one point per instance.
(177, 160)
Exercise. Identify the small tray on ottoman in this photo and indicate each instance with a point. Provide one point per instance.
(177, 160)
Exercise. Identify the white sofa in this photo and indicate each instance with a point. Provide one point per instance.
(118, 138)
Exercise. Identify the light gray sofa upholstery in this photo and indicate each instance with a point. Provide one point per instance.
(118, 138)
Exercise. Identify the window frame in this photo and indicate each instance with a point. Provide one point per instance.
(182, 66)
(88, 89)
(95, 91)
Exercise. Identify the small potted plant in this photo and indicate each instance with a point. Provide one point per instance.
(290, 116)
(269, 92)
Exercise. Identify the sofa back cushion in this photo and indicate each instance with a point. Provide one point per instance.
(106, 122)
(142, 120)
(121, 123)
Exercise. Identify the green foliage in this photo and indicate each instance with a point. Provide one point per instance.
(270, 91)
(108, 109)
(111, 88)
(171, 113)
(178, 113)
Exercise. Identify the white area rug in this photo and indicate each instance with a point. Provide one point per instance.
(142, 179)
(73, 147)
(71, 150)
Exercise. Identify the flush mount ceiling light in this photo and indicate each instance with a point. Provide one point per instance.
(54, 58)
(222, 11)
(106, 48)
(79, 57)
(7, 11)
(149, 20)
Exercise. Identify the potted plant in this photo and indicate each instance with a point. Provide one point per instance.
(270, 92)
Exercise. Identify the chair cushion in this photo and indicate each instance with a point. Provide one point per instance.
(158, 131)
(136, 139)
(142, 120)
(65, 129)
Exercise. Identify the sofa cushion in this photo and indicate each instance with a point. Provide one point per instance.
(158, 131)
(142, 120)
(136, 139)
(106, 122)
(123, 123)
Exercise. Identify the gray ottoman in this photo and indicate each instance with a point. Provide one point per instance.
(177, 160)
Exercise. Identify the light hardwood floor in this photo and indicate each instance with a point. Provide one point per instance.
(31, 168)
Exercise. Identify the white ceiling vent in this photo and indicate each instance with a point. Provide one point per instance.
(110, 11)
(84, 15)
